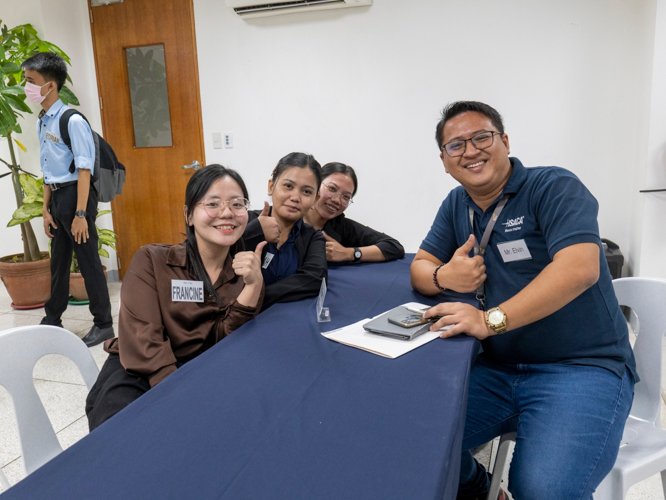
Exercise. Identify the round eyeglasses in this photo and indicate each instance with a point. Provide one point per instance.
(215, 208)
(345, 199)
(482, 140)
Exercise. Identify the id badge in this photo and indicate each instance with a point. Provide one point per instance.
(187, 291)
(267, 260)
(512, 251)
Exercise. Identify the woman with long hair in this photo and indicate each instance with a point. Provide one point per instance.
(346, 239)
(294, 261)
(179, 300)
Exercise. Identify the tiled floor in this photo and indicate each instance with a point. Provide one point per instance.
(57, 380)
(63, 393)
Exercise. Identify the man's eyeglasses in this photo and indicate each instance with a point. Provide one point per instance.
(215, 208)
(345, 199)
(482, 140)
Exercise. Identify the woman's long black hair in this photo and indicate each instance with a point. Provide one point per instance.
(197, 187)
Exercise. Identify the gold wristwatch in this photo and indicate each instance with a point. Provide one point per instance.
(496, 319)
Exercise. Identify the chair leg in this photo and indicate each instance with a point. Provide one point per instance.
(3, 481)
(663, 481)
(611, 488)
(500, 463)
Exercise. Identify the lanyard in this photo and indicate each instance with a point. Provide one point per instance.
(480, 248)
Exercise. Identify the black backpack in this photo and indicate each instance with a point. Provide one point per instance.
(109, 174)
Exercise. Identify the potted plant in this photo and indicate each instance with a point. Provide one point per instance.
(30, 271)
(77, 287)
(32, 207)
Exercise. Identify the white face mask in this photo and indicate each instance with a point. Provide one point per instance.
(34, 92)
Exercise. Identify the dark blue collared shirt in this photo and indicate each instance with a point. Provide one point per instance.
(549, 209)
(285, 259)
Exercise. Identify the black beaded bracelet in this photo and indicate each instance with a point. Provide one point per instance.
(434, 278)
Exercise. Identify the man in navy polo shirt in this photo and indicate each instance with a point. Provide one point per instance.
(556, 366)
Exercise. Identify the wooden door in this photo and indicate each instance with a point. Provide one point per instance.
(147, 74)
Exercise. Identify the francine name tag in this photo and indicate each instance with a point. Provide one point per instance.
(187, 291)
(512, 251)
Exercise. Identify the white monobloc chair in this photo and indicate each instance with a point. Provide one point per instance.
(643, 450)
(20, 349)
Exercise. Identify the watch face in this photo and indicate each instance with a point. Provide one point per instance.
(495, 317)
(357, 254)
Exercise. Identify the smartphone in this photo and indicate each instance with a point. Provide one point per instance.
(409, 320)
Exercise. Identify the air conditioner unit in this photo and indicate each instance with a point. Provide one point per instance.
(265, 8)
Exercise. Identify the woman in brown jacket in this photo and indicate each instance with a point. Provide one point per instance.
(179, 300)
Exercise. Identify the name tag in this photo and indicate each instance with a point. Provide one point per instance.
(187, 291)
(267, 260)
(53, 138)
(512, 251)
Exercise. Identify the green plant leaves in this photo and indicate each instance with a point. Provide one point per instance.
(67, 96)
(103, 212)
(25, 213)
(32, 187)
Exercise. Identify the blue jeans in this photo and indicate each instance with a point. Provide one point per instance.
(569, 421)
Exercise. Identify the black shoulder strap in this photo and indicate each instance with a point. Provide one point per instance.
(64, 131)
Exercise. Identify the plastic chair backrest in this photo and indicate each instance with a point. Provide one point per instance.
(20, 349)
(647, 298)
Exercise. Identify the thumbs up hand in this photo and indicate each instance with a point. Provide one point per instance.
(269, 225)
(335, 252)
(248, 265)
(463, 273)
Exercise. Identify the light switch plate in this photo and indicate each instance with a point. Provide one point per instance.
(217, 140)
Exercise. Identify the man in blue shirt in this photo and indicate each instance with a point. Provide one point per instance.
(556, 367)
(70, 205)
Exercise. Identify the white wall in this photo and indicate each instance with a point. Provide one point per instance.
(653, 205)
(65, 23)
(364, 86)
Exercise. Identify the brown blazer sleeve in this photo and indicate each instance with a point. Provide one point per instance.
(144, 348)
(235, 317)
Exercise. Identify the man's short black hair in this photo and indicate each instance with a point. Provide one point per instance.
(458, 108)
(51, 66)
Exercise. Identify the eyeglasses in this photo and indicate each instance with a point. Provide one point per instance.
(345, 199)
(216, 208)
(482, 140)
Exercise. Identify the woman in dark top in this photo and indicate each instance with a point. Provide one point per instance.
(294, 261)
(179, 300)
(346, 239)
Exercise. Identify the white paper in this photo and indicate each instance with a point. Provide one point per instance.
(355, 336)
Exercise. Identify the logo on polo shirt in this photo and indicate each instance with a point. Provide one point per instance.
(55, 139)
(513, 224)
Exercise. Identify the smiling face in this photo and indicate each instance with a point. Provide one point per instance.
(481, 172)
(330, 204)
(294, 192)
(224, 229)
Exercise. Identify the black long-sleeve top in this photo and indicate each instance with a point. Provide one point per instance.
(350, 233)
(306, 281)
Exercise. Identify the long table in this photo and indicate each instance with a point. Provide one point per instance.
(277, 411)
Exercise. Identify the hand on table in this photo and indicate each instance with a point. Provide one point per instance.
(80, 229)
(248, 265)
(463, 273)
(269, 225)
(335, 252)
(466, 319)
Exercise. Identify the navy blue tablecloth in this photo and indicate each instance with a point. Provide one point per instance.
(277, 411)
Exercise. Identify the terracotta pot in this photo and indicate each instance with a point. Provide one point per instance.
(77, 287)
(28, 283)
